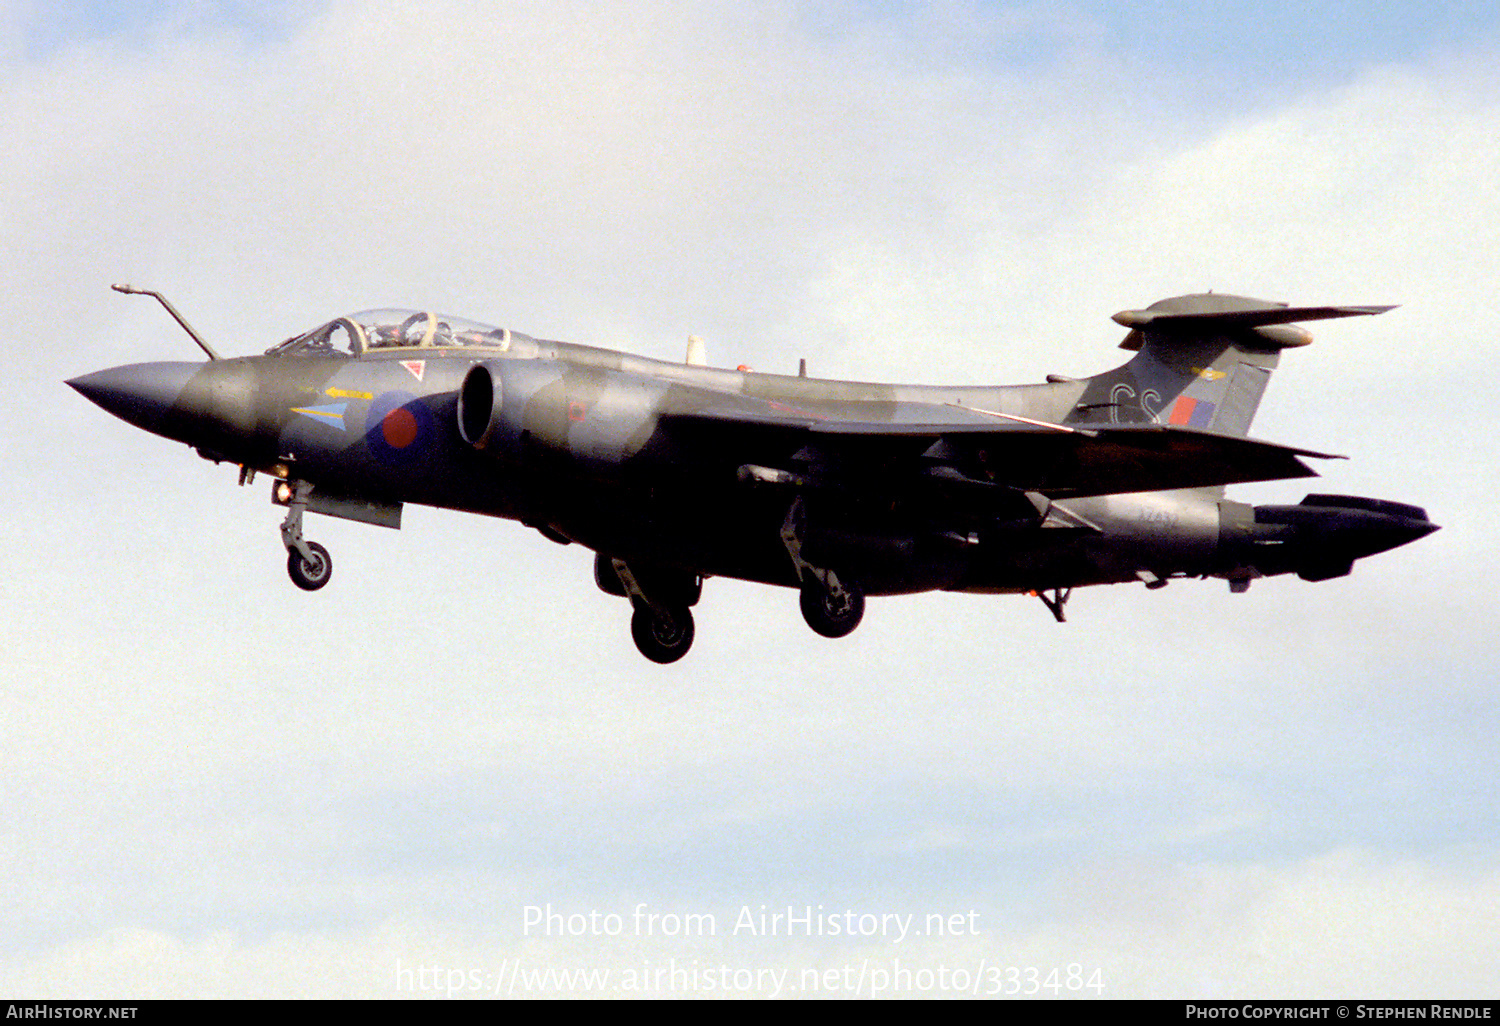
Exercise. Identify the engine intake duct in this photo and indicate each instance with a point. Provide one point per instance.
(478, 402)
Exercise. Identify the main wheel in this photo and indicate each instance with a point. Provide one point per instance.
(309, 575)
(662, 639)
(829, 616)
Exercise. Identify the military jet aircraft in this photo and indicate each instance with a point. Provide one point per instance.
(673, 473)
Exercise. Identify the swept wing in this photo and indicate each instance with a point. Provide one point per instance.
(1052, 459)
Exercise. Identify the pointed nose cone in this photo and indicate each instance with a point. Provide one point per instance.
(144, 394)
(1361, 533)
(1402, 531)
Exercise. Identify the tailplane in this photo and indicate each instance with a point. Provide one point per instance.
(1201, 361)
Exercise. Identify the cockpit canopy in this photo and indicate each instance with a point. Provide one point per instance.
(374, 330)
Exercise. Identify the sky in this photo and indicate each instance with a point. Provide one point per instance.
(450, 775)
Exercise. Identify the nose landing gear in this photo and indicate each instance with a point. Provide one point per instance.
(307, 563)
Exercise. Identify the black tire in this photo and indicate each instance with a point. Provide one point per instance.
(662, 640)
(309, 575)
(829, 618)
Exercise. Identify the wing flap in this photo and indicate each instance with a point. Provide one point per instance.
(1148, 458)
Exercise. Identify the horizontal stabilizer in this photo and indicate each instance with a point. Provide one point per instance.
(1223, 311)
(1269, 326)
(1243, 318)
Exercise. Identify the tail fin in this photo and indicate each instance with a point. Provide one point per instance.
(1201, 361)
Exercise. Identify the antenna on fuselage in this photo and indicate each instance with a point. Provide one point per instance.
(175, 316)
(697, 352)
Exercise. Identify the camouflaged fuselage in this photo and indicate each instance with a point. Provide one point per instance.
(703, 471)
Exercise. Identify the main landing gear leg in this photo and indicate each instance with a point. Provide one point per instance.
(830, 606)
(662, 630)
(308, 563)
(1057, 602)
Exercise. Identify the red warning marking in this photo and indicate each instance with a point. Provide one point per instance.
(577, 411)
(416, 367)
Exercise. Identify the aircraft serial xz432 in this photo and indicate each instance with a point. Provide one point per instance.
(673, 473)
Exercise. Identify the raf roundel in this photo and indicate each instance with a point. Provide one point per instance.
(399, 428)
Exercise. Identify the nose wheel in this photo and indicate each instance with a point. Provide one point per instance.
(307, 563)
(311, 571)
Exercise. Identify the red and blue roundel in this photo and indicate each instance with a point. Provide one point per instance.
(399, 428)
